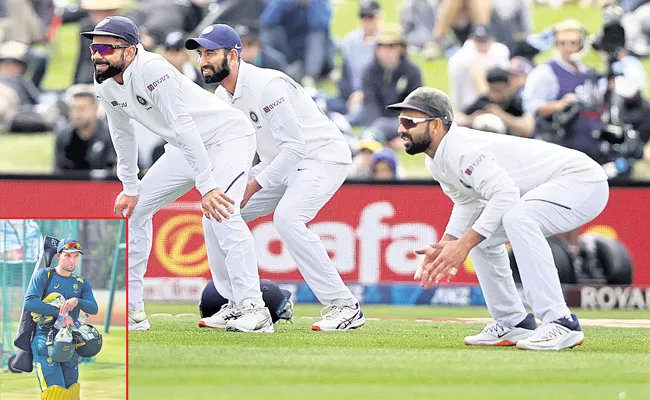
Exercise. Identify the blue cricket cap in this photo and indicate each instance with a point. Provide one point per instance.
(218, 36)
(69, 245)
(119, 27)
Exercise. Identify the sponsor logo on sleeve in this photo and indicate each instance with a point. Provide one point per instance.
(474, 164)
(157, 82)
(271, 106)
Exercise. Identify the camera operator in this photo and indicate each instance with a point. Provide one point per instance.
(628, 129)
(563, 94)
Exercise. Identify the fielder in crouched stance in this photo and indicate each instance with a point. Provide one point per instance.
(504, 188)
(304, 160)
(52, 294)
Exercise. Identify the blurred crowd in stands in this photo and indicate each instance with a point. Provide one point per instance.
(491, 46)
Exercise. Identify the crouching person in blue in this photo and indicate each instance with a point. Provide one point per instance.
(55, 297)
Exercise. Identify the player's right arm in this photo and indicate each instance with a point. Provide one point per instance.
(167, 96)
(123, 138)
(33, 302)
(126, 149)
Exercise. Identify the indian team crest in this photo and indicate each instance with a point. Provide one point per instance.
(141, 100)
(253, 116)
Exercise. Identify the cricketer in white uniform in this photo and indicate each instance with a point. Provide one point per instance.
(304, 160)
(210, 146)
(504, 188)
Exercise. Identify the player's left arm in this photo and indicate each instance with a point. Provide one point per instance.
(167, 97)
(492, 182)
(481, 172)
(283, 124)
(87, 301)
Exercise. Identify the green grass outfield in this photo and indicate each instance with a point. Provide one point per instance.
(385, 359)
(102, 379)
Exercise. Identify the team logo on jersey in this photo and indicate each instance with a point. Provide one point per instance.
(75, 287)
(141, 100)
(253, 116)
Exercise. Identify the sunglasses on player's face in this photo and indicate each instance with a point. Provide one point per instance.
(411, 122)
(106, 49)
(72, 245)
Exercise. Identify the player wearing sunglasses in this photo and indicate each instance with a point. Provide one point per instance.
(58, 294)
(211, 146)
(504, 189)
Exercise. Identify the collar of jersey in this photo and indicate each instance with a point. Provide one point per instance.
(241, 78)
(438, 157)
(128, 72)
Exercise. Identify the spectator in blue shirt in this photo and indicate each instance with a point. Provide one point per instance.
(300, 30)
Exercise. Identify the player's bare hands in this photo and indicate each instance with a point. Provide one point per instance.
(216, 204)
(68, 322)
(251, 188)
(68, 306)
(124, 205)
(430, 254)
(451, 256)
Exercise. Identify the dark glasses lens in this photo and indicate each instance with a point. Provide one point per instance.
(105, 49)
(407, 123)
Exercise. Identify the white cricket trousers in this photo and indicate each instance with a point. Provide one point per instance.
(308, 188)
(559, 205)
(229, 244)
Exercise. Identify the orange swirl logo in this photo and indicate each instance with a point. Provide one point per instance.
(172, 246)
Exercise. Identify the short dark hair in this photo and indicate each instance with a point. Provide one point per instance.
(498, 75)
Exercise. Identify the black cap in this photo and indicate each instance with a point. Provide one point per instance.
(117, 26)
(433, 102)
(175, 41)
(498, 75)
(481, 33)
(369, 8)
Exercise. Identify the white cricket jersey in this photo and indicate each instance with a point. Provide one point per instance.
(473, 166)
(289, 125)
(169, 104)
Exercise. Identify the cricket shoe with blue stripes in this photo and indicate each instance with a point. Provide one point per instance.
(252, 319)
(497, 334)
(219, 319)
(340, 318)
(138, 321)
(563, 333)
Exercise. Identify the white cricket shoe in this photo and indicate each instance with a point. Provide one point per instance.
(560, 334)
(497, 334)
(340, 318)
(138, 321)
(252, 319)
(219, 319)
